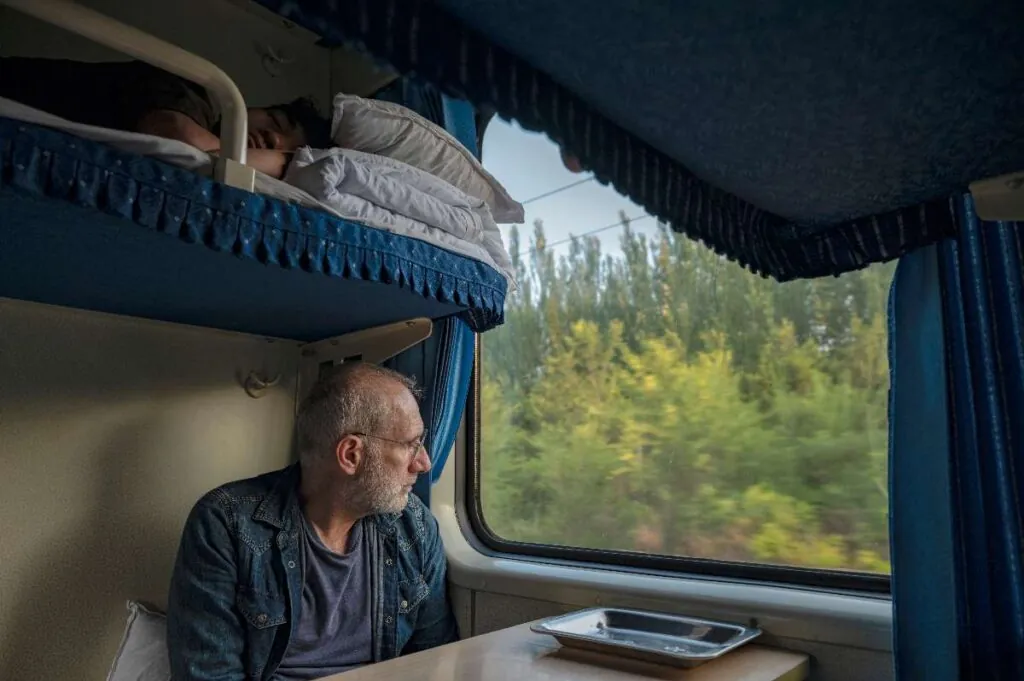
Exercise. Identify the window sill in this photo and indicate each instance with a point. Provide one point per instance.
(861, 621)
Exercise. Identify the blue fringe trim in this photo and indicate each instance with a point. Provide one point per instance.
(156, 196)
(421, 38)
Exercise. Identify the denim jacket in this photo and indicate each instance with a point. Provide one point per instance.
(237, 585)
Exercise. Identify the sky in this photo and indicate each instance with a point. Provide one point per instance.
(529, 164)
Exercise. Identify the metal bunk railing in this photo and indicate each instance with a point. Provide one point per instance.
(230, 167)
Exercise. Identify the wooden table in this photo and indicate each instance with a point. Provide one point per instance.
(517, 654)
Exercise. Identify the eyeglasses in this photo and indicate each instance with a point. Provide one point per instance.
(414, 445)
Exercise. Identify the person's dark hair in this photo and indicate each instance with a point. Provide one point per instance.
(303, 112)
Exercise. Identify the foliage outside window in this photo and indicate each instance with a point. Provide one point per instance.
(664, 400)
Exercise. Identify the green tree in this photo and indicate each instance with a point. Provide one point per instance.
(665, 400)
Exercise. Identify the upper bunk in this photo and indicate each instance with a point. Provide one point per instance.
(113, 222)
(799, 139)
(800, 142)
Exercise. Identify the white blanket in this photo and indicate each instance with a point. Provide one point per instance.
(353, 181)
(467, 234)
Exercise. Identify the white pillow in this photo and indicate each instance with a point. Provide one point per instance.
(142, 655)
(392, 130)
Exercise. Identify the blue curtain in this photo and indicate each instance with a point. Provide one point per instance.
(450, 389)
(415, 94)
(921, 522)
(957, 455)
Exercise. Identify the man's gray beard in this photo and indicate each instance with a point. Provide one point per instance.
(376, 490)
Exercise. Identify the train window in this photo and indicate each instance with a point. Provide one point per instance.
(650, 402)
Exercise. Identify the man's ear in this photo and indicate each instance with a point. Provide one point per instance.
(349, 454)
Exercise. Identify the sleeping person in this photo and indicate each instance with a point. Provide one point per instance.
(137, 97)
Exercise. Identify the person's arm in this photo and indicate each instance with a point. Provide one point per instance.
(177, 126)
(205, 634)
(435, 621)
(268, 161)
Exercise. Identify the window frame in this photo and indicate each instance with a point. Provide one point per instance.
(681, 566)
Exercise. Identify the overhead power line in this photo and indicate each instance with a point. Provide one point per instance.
(557, 190)
(591, 232)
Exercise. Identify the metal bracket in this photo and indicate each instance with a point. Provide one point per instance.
(129, 40)
(234, 174)
(368, 345)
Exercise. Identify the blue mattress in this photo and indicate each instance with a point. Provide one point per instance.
(88, 226)
(801, 139)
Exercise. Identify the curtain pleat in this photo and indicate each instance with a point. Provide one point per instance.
(959, 613)
(921, 516)
(983, 300)
(451, 387)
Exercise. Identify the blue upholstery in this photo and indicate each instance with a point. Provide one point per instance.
(799, 139)
(85, 225)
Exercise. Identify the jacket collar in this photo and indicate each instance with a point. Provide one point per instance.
(281, 506)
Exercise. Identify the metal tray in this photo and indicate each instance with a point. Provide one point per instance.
(650, 636)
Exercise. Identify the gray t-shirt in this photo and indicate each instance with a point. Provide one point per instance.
(334, 627)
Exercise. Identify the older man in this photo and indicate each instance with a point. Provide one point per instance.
(324, 566)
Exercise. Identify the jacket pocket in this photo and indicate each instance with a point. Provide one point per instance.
(261, 611)
(411, 593)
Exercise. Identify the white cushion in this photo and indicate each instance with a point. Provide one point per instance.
(392, 130)
(142, 655)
